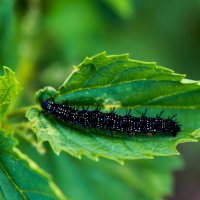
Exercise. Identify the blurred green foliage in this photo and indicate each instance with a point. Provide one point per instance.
(86, 179)
(41, 40)
(55, 35)
(20, 177)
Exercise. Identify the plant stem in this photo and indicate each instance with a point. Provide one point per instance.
(19, 112)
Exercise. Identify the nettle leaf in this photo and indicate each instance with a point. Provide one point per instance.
(20, 177)
(9, 88)
(117, 81)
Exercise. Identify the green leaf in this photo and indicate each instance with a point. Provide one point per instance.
(20, 177)
(138, 179)
(123, 8)
(9, 88)
(116, 81)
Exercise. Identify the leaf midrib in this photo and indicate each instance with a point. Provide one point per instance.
(13, 182)
(158, 97)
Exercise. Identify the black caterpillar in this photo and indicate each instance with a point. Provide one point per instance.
(126, 125)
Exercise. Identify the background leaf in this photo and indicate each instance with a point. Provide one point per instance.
(139, 179)
(21, 178)
(85, 179)
(9, 88)
(116, 81)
